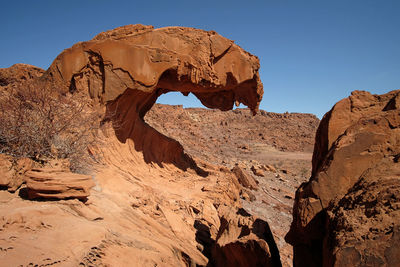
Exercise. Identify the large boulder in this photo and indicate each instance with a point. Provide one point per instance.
(243, 240)
(347, 213)
(244, 178)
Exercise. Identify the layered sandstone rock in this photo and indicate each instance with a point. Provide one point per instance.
(12, 171)
(129, 67)
(347, 214)
(57, 184)
(155, 61)
(152, 201)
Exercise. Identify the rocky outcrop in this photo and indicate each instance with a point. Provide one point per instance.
(244, 240)
(57, 184)
(347, 214)
(12, 171)
(363, 227)
(127, 68)
(152, 202)
(17, 74)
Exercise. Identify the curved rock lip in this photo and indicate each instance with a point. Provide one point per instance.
(156, 61)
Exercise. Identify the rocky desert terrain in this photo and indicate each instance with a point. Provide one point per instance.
(275, 150)
(94, 173)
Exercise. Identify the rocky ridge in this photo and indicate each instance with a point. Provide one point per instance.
(238, 130)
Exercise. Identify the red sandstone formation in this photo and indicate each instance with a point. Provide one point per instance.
(244, 179)
(57, 183)
(153, 204)
(241, 240)
(12, 172)
(17, 74)
(277, 146)
(347, 214)
(128, 68)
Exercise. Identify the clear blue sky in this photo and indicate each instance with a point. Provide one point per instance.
(312, 53)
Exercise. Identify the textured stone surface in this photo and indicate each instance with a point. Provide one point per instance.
(244, 240)
(150, 197)
(154, 61)
(347, 213)
(57, 184)
(129, 67)
(244, 179)
(279, 145)
(364, 226)
(6, 170)
(12, 171)
(18, 74)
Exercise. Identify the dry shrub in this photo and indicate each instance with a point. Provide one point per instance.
(44, 124)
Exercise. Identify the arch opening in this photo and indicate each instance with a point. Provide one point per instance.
(128, 110)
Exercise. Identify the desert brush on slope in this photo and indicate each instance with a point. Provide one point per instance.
(42, 124)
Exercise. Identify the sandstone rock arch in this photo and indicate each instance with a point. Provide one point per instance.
(140, 212)
(128, 68)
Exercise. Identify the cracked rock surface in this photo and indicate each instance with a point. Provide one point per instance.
(347, 214)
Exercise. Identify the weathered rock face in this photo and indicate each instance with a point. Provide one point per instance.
(364, 226)
(17, 74)
(129, 67)
(154, 61)
(244, 179)
(57, 184)
(152, 202)
(12, 172)
(244, 240)
(348, 213)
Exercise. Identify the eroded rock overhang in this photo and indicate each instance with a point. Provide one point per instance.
(127, 68)
(155, 61)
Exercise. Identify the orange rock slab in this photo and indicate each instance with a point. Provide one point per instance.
(57, 184)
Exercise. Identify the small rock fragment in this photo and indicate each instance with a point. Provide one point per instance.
(244, 179)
